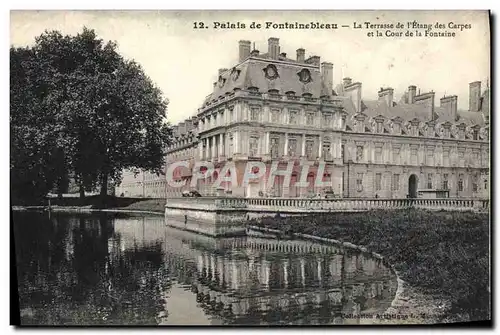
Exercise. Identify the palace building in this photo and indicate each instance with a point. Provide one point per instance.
(269, 107)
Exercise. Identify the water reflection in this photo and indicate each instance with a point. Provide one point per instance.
(133, 270)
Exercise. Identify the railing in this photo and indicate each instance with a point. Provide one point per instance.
(319, 205)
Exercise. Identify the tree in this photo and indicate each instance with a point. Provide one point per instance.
(105, 114)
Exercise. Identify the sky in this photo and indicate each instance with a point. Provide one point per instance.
(184, 61)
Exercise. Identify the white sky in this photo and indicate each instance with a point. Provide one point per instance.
(184, 62)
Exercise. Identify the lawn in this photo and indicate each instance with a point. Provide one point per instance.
(443, 253)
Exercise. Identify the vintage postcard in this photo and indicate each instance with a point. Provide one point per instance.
(250, 167)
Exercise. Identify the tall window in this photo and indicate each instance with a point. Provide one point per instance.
(253, 146)
(430, 156)
(378, 154)
(231, 115)
(359, 153)
(396, 155)
(275, 116)
(292, 147)
(293, 117)
(475, 182)
(414, 156)
(445, 181)
(378, 182)
(475, 157)
(310, 149)
(461, 156)
(395, 182)
(342, 152)
(460, 182)
(446, 156)
(429, 181)
(359, 182)
(309, 119)
(275, 147)
(343, 182)
(326, 151)
(327, 120)
(485, 184)
(475, 135)
(254, 114)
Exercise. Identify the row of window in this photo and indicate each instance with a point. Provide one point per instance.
(444, 185)
(431, 155)
(276, 116)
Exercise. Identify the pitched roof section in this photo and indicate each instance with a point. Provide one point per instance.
(252, 74)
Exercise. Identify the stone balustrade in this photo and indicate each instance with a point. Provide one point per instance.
(223, 216)
(322, 205)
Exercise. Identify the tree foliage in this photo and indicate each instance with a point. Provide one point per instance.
(79, 107)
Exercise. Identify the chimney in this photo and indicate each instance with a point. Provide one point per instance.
(449, 103)
(426, 99)
(182, 128)
(273, 47)
(244, 50)
(474, 96)
(412, 92)
(313, 60)
(301, 55)
(221, 71)
(353, 90)
(386, 94)
(327, 77)
(346, 81)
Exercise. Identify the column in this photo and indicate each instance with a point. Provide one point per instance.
(200, 149)
(285, 152)
(285, 273)
(221, 144)
(339, 148)
(214, 152)
(236, 142)
(268, 140)
(303, 271)
(320, 147)
(319, 270)
(303, 153)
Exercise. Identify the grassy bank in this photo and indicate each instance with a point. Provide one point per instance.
(96, 202)
(445, 254)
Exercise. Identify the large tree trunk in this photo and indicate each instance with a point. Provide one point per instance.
(82, 194)
(104, 185)
(82, 191)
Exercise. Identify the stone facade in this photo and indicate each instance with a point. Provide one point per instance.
(269, 107)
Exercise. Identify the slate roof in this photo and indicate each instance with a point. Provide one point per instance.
(251, 74)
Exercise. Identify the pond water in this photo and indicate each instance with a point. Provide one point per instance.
(112, 269)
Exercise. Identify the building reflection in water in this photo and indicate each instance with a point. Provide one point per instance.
(133, 268)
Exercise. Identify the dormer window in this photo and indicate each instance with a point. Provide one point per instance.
(290, 93)
(380, 127)
(305, 76)
(271, 72)
(221, 81)
(235, 74)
